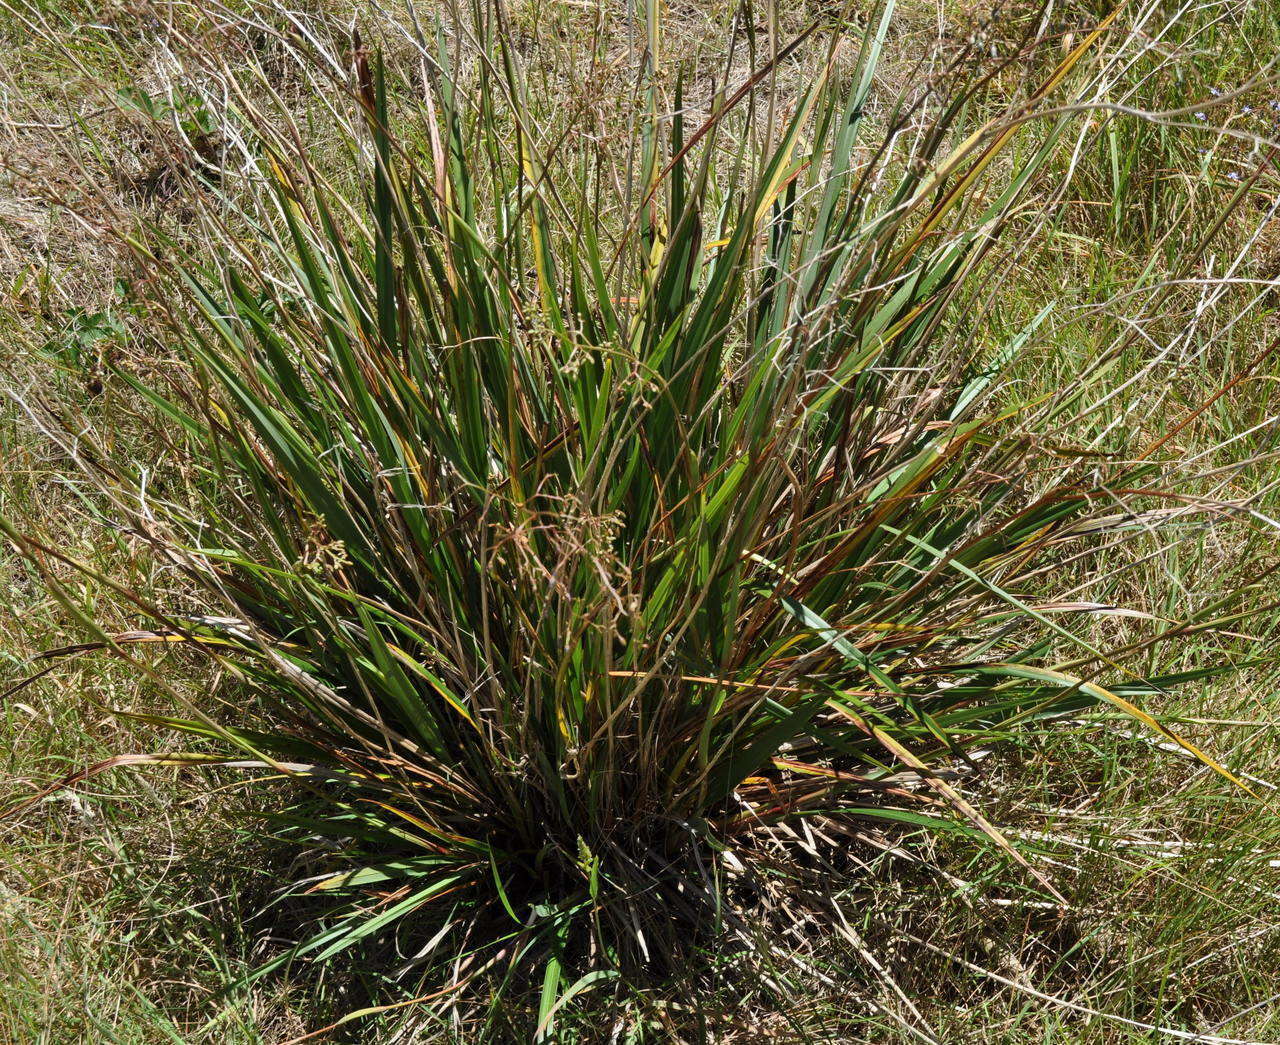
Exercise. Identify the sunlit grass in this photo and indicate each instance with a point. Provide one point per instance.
(581, 542)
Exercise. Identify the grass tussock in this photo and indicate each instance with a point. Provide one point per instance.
(615, 531)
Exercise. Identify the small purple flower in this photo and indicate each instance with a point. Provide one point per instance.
(1201, 116)
(1215, 92)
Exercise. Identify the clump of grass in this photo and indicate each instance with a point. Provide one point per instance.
(575, 535)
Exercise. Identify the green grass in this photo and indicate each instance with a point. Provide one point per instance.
(538, 629)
